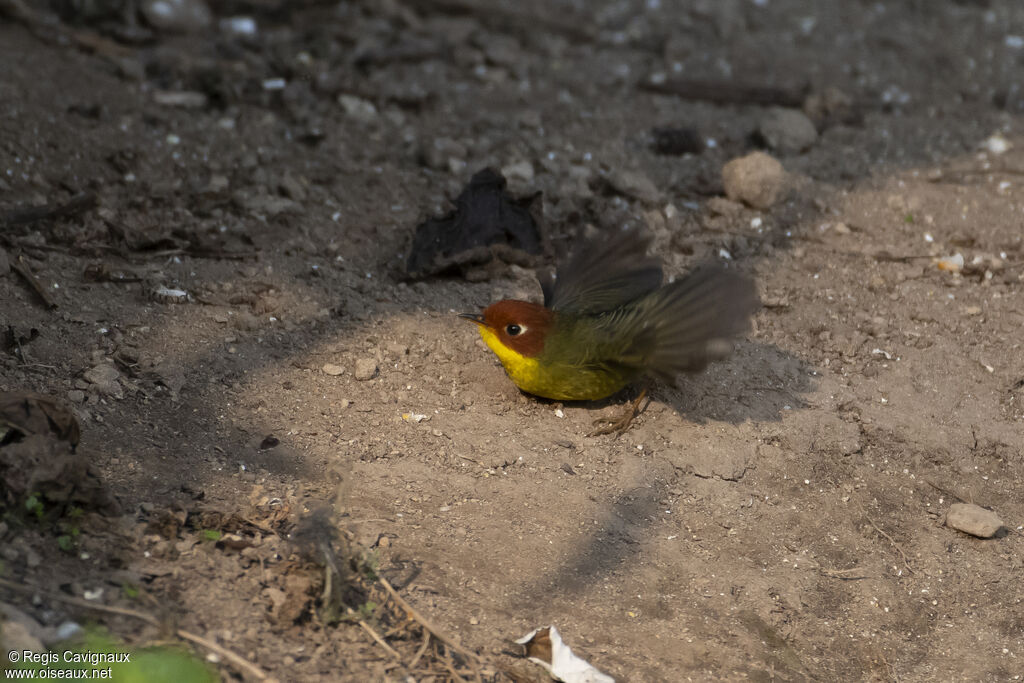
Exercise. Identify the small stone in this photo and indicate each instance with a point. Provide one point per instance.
(332, 369)
(177, 15)
(787, 131)
(757, 180)
(973, 519)
(398, 349)
(293, 187)
(634, 184)
(76, 395)
(104, 377)
(519, 172)
(358, 108)
(366, 369)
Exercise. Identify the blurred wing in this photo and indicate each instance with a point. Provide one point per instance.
(604, 274)
(688, 323)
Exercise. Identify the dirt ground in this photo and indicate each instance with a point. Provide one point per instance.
(779, 517)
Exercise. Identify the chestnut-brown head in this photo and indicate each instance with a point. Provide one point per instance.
(518, 325)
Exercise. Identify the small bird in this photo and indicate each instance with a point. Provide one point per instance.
(608, 321)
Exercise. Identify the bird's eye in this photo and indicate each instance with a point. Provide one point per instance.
(513, 329)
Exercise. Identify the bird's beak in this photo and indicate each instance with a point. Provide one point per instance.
(475, 317)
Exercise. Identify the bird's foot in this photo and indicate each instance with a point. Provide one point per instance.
(621, 424)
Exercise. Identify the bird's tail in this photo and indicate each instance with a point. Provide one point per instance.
(692, 321)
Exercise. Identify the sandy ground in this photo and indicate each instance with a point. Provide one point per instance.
(779, 517)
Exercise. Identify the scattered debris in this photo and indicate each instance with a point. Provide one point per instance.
(167, 295)
(952, 264)
(545, 646)
(757, 180)
(36, 414)
(485, 219)
(973, 519)
(38, 455)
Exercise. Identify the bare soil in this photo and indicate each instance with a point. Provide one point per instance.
(779, 517)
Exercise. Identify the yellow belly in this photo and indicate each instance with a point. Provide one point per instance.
(559, 382)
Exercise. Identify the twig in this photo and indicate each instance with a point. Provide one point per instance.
(896, 545)
(380, 641)
(422, 651)
(723, 92)
(471, 657)
(242, 664)
(30, 214)
(25, 272)
(450, 665)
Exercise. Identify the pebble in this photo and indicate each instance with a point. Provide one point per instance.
(519, 172)
(757, 180)
(358, 108)
(104, 377)
(634, 184)
(177, 15)
(787, 131)
(973, 519)
(366, 369)
(398, 349)
(333, 370)
(76, 395)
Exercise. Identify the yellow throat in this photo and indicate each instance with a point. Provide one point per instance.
(524, 371)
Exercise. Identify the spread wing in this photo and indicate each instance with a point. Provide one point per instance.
(691, 322)
(604, 273)
(681, 327)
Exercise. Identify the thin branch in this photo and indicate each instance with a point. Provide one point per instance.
(471, 657)
(21, 215)
(896, 545)
(22, 269)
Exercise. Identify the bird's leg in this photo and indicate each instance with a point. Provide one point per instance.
(623, 422)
